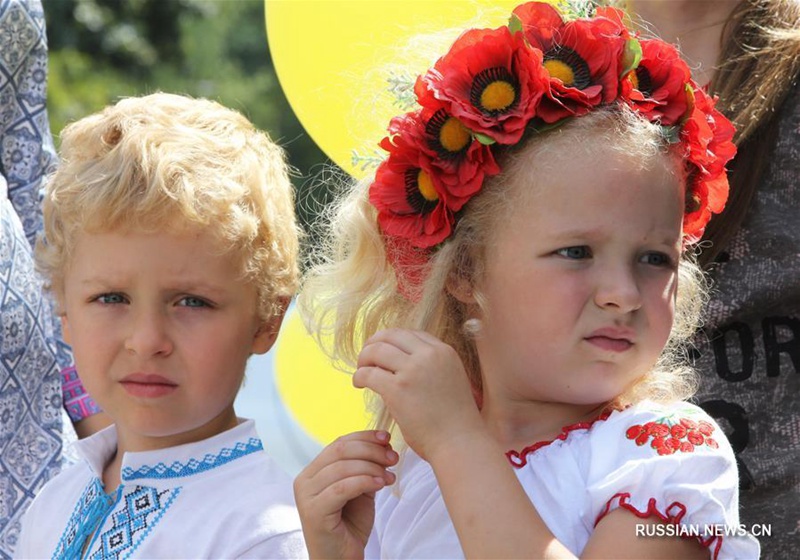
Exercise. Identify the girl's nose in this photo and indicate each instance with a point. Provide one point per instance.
(617, 290)
(149, 335)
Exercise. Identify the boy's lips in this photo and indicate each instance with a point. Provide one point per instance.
(147, 385)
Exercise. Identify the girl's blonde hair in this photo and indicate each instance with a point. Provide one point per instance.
(171, 163)
(351, 291)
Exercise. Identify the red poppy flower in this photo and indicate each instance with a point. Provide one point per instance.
(708, 139)
(417, 190)
(582, 58)
(697, 213)
(463, 161)
(660, 84)
(706, 194)
(617, 16)
(409, 199)
(490, 80)
(708, 135)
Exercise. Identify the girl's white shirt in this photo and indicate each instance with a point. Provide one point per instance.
(589, 470)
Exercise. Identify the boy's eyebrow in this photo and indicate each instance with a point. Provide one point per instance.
(98, 281)
(189, 286)
(199, 286)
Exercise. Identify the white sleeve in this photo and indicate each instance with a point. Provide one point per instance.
(673, 463)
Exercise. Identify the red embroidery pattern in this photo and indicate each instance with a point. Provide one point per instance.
(669, 436)
(519, 459)
(673, 515)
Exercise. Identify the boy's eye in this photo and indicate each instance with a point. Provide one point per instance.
(192, 301)
(577, 252)
(656, 259)
(110, 299)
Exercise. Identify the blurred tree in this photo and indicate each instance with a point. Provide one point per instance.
(102, 50)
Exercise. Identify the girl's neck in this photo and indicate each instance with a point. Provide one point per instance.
(516, 425)
(695, 26)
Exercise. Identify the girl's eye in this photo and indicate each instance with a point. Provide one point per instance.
(110, 299)
(192, 301)
(656, 259)
(577, 252)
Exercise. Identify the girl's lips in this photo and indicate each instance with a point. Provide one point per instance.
(609, 343)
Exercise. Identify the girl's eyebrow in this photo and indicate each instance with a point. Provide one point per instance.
(583, 232)
(665, 237)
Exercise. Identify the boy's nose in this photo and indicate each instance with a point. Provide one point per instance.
(618, 291)
(149, 335)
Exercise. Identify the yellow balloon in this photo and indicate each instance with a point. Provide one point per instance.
(334, 60)
(321, 399)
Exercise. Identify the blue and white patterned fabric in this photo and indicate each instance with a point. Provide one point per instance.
(27, 153)
(30, 387)
(222, 497)
(30, 384)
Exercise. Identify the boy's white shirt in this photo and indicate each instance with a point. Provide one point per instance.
(572, 481)
(222, 497)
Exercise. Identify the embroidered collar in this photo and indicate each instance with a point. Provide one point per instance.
(172, 463)
(519, 459)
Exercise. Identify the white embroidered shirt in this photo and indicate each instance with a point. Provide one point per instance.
(669, 462)
(222, 497)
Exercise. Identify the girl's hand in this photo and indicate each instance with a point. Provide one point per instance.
(335, 493)
(424, 386)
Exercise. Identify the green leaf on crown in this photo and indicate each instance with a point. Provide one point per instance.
(631, 56)
(483, 139)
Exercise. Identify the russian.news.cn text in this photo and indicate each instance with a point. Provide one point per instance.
(702, 531)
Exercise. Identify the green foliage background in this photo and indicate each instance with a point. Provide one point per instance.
(103, 50)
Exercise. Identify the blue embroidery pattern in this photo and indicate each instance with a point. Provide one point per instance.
(92, 506)
(141, 510)
(193, 466)
(144, 508)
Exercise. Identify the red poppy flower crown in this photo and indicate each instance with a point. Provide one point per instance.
(494, 85)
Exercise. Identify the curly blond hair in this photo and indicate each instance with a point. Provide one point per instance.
(351, 291)
(167, 162)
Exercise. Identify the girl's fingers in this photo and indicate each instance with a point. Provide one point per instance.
(427, 337)
(374, 378)
(382, 354)
(404, 339)
(326, 508)
(351, 446)
(356, 455)
(333, 499)
(335, 473)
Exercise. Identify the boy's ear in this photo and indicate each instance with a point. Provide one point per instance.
(65, 330)
(460, 288)
(267, 333)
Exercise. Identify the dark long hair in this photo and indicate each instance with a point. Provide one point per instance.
(759, 66)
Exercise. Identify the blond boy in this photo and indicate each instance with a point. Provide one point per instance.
(171, 246)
